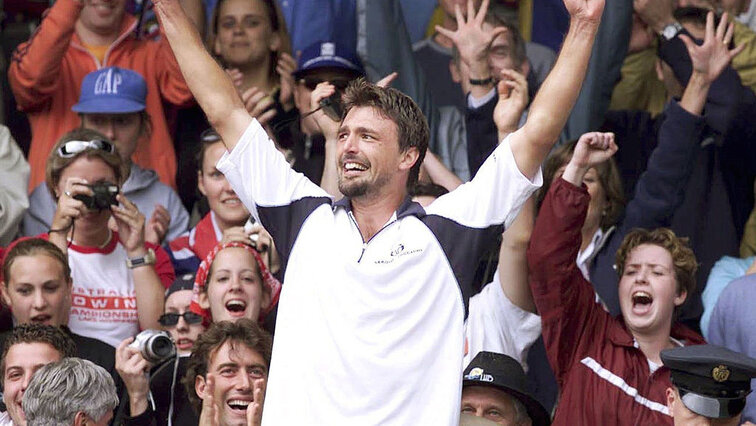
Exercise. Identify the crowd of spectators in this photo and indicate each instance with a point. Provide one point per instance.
(246, 212)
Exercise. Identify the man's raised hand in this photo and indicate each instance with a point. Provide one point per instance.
(714, 55)
(586, 10)
(591, 149)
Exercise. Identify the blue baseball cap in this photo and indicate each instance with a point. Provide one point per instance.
(328, 54)
(112, 90)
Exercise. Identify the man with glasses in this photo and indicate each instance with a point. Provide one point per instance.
(164, 383)
(320, 62)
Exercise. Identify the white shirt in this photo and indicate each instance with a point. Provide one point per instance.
(371, 332)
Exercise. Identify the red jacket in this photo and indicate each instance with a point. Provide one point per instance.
(46, 74)
(603, 376)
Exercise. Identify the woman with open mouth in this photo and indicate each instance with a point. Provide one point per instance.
(233, 283)
(608, 368)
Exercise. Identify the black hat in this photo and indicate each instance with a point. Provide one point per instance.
(713, 381)
(505, 373)
(182, 282)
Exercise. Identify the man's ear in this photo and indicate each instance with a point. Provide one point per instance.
(456, 75)
(409, 158)
(671, 397)
(80, 419)
(525, 67)
(199, 386)
(4, 294)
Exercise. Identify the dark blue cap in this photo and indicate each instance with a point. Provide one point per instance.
(112, 90)
(328, 54)
(712, 381)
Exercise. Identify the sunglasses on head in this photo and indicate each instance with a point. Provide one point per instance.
(71, 148)
(312, 82)
(172, 319)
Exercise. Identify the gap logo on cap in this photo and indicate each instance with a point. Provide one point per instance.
(107, 83)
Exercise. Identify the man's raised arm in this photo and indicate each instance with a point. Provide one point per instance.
(554, 101)
(210, 85)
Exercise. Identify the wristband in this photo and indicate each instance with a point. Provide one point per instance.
(481, 82)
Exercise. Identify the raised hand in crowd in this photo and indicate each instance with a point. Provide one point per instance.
(513, 99)
(714, 55)
(592, 149)
(68, 210)
(209, 415)
(134, 371)
(473, 39)
(285, 68)
(256, 236)
(157, 226)
(259, 104)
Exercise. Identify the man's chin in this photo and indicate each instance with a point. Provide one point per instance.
(353, 190)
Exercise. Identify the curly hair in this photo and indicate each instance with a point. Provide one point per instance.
(683, 258)
(608, 175)
(244, 331)
(38, 333)
(412, 127)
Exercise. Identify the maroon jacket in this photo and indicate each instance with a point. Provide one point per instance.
(603, 376)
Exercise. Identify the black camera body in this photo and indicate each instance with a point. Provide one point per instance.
(104, 196)
(332, 107)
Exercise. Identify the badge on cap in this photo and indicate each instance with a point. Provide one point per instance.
(327, 49)
(720, 373)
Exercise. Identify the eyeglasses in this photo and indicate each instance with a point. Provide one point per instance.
(168, 320)
(71, 148)
(312, 82)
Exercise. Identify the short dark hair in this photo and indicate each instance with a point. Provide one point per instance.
(33, 247)
(412, 127)
(519, 52)
(428, 189)
(243, 331)
(38, 333)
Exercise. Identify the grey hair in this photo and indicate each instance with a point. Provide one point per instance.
(60, 390)
(521, 413)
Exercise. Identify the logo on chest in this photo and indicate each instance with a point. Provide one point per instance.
(397, 252)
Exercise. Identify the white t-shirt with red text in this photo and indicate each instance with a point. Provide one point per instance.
(103, 295)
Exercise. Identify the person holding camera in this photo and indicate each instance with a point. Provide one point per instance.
(223, 380)
(119, 277)
(113, 101)
(164, 360)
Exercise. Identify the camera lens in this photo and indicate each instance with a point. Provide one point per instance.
(160, 347)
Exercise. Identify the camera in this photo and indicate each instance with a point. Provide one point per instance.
(104, 196)
(332, 107)
(154, 345)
